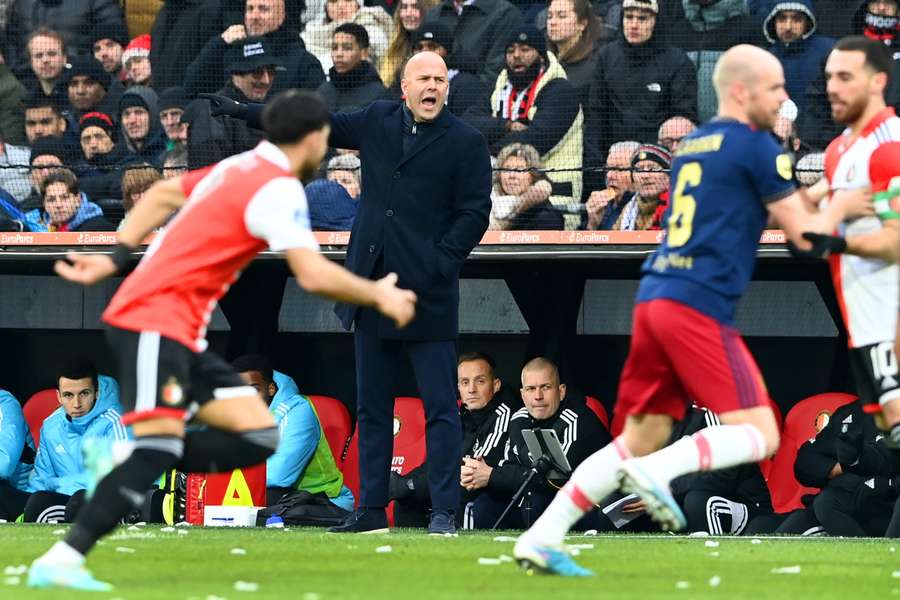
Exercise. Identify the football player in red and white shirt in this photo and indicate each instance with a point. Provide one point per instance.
(156, 322)
(865, 252)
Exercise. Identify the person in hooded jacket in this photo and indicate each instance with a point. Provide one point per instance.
(89, 408)
(65, 207)
(141, 135)
(277, 23)
(16, 457)
(101, 176)
(331, 208)
(790, 28)
(319, 33)
(353, 82)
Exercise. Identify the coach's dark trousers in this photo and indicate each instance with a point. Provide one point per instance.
(378, 362)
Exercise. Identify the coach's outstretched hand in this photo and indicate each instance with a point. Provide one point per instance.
(823, 245)
(397, 304)
(86, 269)
(224, 106)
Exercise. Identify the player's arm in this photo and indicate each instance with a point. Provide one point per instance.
(883, 244)
(318, 275)
(158, 203)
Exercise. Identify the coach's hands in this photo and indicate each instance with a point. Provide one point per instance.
(222, 106)
(397, 304)
(822, 245)
(849, 446)
(86, 269)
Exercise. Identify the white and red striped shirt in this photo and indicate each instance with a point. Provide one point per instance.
(235, 209)
(867, 288)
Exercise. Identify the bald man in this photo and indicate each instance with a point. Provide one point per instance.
(424, 206)
(728, 177)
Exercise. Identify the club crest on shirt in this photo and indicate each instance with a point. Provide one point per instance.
(172, 394)
(821, 420)
(851, 173)
(398, 425)
(785, 166)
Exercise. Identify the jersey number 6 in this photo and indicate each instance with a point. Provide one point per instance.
(683, 205)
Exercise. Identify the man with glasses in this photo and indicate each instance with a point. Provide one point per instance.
(604, 206)
(673, 130)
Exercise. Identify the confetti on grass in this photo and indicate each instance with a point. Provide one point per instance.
(794, 570)
(383, 549)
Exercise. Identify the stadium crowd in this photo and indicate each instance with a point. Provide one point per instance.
(582, 103)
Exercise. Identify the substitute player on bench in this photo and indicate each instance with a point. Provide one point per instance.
(728, 177)
(157, 320)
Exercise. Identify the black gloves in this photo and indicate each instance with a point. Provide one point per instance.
(223, 106)
(822, 245)
(400, 487)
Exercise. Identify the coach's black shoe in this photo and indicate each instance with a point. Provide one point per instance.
(363, 520)
(442, 522)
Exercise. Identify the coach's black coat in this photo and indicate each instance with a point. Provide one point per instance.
(420, 212)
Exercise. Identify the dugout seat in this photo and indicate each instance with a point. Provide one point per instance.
(409, 445)
(599, 410)
(335, 420)
(802, 423)
(40, 406)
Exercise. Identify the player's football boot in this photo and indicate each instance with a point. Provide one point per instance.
(547, 560)
(46, 575)
(661, 506)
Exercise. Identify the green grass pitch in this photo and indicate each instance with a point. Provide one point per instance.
(305, 564)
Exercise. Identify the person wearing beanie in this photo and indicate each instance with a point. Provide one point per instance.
(108, 46)
(172, 102)
(353, 81)
(88, 87)
(101, 177)
(650, 166)
(136, 60)
(272, 21)
(533, 103)
(640, 81)
(141, 135)
(466, 88)
(47, 154)
(480, 30)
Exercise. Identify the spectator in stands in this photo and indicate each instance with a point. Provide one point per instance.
(790, 28)
(75, 20)
(16, 458)
(640, 82)
(14, 172)
(89, 409)
(345, 170)
(604, 206)
(547, 406)
(172, 102)
(136, 59)
(43, 118)
(303, 461)
(408, 17)
(533, 103)
(521, 192)
(252, 69)
(466, 88)
(66, 207)
(101, 178)
(109, 45)
(266, 19)
(12, 95)
(480, 31)
(352, 82)
(89, 88)
(180, 31)
(47, 58)
(876, 19)
(718, 502)
(141, 135)
(331, 207)
(573, 32)
(672, 131)
(485, 411)
(319, 35)
(46, 153)
(175, 162)
(650, 178)
(136, 180)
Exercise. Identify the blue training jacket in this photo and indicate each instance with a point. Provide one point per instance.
(59, 467)
(14, 436)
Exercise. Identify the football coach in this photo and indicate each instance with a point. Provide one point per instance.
(426, 184)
